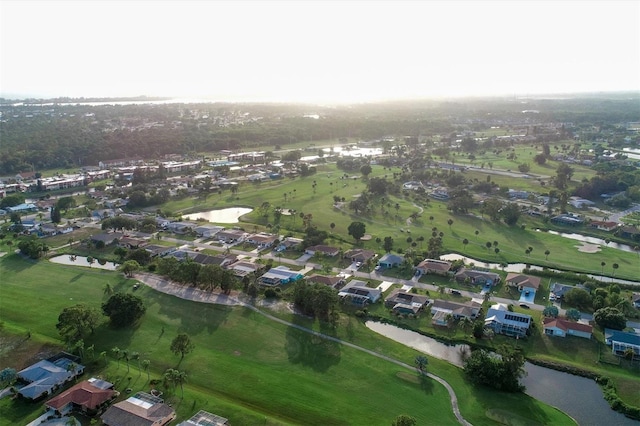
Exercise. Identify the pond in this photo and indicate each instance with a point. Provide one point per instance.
(592, 240)
(65, 259)
(519, 267)
(579, 397)
(230, 215)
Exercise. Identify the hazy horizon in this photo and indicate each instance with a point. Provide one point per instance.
(318, 52)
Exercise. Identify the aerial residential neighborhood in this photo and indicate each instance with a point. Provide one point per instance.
(364, 213)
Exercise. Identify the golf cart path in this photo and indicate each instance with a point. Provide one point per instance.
(189, 293)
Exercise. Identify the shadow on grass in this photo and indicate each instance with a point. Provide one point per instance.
(310, 350)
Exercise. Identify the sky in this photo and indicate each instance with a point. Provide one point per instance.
(330, 51)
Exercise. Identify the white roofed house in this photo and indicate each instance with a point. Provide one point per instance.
(502, 321)
(359, 294)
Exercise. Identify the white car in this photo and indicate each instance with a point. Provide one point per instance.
(358, 264)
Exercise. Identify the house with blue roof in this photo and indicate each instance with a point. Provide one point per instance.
(46, 376)
(620, 341)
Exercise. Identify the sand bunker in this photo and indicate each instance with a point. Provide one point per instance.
(588, 248)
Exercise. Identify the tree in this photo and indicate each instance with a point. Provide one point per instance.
(573, 314)
(578, 297)
(404, 420)
(130, 267)
(502, 373)
(421, 362)
(7, 377)
(550, 311)
(65, 203)
(540, 159)
(365, 170)
(123, 309)
(78, 321)
(602, 265)
(182, 345)
(357, 230)
(145, 366)
(610, 317)
(615, 266)
(510, 213)
(546, 254)
(56, 217)
(450, 222)
(465, 242)
(388, 244)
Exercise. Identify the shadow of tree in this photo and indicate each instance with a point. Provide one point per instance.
(311, 350)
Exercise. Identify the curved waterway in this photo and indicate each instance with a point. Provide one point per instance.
(520, 267)
(579, 397)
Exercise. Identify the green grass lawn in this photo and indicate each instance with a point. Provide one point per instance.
(244, 366)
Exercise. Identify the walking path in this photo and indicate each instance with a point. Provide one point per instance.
(189, 293)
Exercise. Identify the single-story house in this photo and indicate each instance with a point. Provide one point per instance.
(334, 282)
(204, 418)
(433, 266)
(359, 255)
(157, 250)
(604, 226)
(107, 238)
(207, 231)
(442, 309)
(390, 260)
(558, 290)
(289, 242)
(406, 303)
(142, 409)
(522, 282)
(181, 227)
(629, 232)
(620, 341)
(580, 203)
(242, 268)
(132, 243)
(262, 240)
(562, 328)
(567, 219)
(280, 275)
(359, 294)
(88, 396)
(502, 321)
(324, 250)
(229, 236)
(46, 376)
(477, 277)
(20, 208)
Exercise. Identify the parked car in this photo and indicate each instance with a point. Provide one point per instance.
(524, 305)
(456, 292)
(358, 264)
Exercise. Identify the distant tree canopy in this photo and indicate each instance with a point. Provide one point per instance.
(610, 317)
(78, 321)
(318, 300)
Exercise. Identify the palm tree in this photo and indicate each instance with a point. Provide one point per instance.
(477, 232)
(615, 266)
(116, 353)
(488, 245)
(431, 219)
(180, 378)
(125, 354)
(145, 366)
(546, 254)
(103, 355)
(602, 265)
(450, 222)
(136, 356)
(497, 250)
(465, 242)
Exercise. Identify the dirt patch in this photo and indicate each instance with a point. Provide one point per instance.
(588, 248)
(366, 237)
(16, 351)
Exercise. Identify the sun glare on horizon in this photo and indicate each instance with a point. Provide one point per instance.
(317, 52)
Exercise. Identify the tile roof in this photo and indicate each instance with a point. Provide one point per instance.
(84, 394)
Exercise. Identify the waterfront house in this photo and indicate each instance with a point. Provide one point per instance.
(563, 328)
(502, 321)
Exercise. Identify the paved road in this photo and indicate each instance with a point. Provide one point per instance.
(189, 293)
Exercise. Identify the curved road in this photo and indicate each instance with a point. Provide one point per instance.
(190, 293)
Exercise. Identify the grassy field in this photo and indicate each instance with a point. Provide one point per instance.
(513, 241)
(244, 367)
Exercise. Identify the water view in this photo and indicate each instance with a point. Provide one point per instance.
(579, 397)
(65, 259)
(230, 215)
(520, 267)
